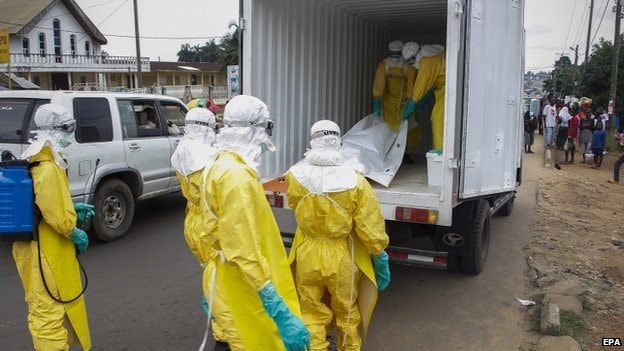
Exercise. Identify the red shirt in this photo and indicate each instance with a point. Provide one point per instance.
(573, 127)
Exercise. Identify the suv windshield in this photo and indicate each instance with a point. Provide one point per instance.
(15, 115)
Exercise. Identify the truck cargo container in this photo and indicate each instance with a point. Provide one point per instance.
(315, 59)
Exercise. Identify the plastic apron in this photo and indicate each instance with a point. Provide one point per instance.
(393, 83)
(247, 239)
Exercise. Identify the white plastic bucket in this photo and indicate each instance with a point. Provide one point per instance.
(434, 168)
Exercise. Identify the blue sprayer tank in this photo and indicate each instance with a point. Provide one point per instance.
(16, 201)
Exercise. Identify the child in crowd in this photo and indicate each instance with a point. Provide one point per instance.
(587, 127)
(598, 144)
(572, 136)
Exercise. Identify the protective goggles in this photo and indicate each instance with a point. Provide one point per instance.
(66, 126)
(215, 126)
(322, 133)
(268, 125)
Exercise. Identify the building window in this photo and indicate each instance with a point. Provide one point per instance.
(26, 47)
(56, 25)
(42, 44)
(72, 44)
(211, 80)
(88, 48)
(36, 80)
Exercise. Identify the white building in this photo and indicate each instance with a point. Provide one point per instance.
(56, 46)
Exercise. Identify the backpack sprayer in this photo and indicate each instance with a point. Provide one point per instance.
(19, 215)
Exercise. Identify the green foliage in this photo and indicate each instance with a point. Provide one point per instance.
(591, 79)
(208, 52)
(596, 81)
(225, 52)
(573, 324)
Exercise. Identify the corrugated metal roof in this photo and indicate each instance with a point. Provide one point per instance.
(18, 16)
(407, 16)
(20, 82)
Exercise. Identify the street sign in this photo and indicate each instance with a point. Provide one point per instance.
(232, 81)
(4, 47)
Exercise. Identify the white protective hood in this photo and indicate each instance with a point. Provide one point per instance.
(191, 155)
(51, 119)
(428, 51)
(323, 169)
(196, 149)
(246, 120)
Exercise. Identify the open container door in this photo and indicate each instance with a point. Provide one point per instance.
(493, 94)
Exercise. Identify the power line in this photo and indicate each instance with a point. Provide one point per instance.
(124, 36)
(600, 23)
(565, 43)
(581, 25)
(83, 8)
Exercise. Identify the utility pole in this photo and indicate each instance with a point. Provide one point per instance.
(575, 49)
(138, 45)
(591, 14)
(616, 55)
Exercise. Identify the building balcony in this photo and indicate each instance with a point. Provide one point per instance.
(35, 62)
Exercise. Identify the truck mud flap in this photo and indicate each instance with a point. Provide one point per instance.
(418, 258)
(454, 239)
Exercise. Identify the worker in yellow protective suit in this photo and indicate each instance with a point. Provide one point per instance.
(54, 322)
(339, 243)
(428, 60)
(196, 152)
(251, 264)
(392, 86)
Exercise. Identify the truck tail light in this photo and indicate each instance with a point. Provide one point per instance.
(276, 200)
(416, 215)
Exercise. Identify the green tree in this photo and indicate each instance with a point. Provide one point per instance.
(229, 46)
(186, 53)
(596, 81)
(565, 78)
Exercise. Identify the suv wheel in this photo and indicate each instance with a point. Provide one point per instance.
(114, 205)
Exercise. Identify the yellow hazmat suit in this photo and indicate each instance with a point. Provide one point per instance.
(202, 247)
(393, 83)
(243, 231)
(432, 74)
(49, 320)
(331, 228)
(194, 153)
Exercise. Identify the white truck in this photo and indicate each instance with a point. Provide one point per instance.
(315, 59)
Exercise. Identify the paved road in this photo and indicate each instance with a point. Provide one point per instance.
(144, 291)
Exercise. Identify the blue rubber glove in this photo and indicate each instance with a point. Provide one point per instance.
(377, 106)
(427, 99)
(84, 211)
(80, 239)
(382, 270)
(410, 106)
(291, 328)
(205, 306)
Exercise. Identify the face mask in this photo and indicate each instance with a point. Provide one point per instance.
(267, 146)
(65, 140)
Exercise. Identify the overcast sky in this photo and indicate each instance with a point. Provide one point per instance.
(552, 26)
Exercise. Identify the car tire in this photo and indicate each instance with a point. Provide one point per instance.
(114, 210)
(479, 240)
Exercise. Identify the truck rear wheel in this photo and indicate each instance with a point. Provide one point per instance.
(114, 210)
(507, 208)
(479, 240)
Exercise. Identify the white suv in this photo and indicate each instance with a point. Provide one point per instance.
(130, 137)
